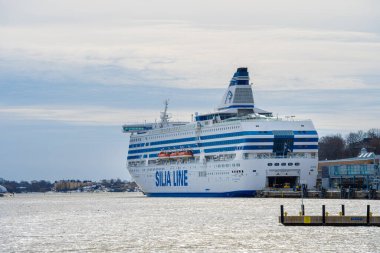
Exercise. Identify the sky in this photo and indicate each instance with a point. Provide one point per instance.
(72, 72)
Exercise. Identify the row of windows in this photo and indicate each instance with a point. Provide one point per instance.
(188, 133)
(283, 164)
(135, 139)
(236, 141)
(305, 132)
(137, 145)
(219, 129)
(169, 135)
(218, 173)
(228, 165)
(147, 150)
(238, 171)
(215, 136)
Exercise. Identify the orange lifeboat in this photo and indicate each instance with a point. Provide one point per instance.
(163, 155)
(174, 154)
(185, 153)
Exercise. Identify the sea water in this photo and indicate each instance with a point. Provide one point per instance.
(131, 222)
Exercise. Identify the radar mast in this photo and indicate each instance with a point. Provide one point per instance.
(164, 115)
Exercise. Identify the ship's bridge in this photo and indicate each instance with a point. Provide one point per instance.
(214, 116)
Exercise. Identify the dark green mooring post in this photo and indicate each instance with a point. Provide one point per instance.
(368, 213)
(282, 214)
(303, 210)
(323, 214)
(343, 210)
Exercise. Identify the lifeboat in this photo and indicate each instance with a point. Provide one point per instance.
(174, 154)
(163, 155)
(181, 154)
(185, 153)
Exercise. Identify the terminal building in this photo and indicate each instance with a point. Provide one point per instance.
(361, 172)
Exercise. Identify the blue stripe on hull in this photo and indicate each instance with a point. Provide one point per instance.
(224, 135)
(203, 194)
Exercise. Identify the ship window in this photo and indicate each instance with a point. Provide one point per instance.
(276, 164)
(297, 164)
(270, 164)
(290, 164)
(283, 164)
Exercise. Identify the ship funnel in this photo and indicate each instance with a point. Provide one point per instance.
(238, 96)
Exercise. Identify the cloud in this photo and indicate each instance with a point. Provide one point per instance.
(189, 56)
(86, 115)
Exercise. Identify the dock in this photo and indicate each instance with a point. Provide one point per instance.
(325, 194)
(329, 220)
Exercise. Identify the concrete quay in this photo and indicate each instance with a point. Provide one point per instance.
(329, 194)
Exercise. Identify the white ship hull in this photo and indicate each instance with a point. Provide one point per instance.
(235, 151)
(212, 179)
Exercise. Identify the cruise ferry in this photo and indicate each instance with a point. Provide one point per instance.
(234, 151)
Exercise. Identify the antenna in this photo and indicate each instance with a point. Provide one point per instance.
(164, 115)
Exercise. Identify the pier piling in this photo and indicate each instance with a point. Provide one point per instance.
(368, 213)
(323, 214)
(282, 214)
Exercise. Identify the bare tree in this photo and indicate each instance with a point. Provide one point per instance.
(354, 142)
(331, 147)
(373, 140)
(373, 133)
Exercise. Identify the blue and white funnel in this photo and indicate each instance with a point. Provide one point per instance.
(239, 94)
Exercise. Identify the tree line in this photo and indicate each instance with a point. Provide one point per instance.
(24, 186)
(336, 146)
(115, 185)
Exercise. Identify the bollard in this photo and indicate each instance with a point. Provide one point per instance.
(343, 213)
(303, 210)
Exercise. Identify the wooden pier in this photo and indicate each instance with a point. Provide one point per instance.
(326, 220)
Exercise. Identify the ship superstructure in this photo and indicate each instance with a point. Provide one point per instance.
(234, 151)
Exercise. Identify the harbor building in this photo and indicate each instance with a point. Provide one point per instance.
(361, 172)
